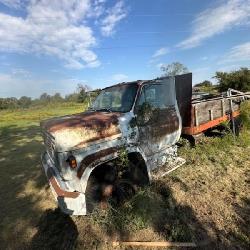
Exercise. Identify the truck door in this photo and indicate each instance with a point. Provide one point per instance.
(157, 115)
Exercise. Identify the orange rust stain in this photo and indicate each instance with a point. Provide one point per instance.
(56, 187)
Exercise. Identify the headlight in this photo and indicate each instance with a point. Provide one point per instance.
(71, 160)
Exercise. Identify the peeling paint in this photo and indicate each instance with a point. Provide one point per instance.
(80, 137)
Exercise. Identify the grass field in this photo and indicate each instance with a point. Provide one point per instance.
(206, 201)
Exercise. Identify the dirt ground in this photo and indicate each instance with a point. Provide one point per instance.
(206, 201)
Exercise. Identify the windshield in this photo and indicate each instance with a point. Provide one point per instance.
(118, 98)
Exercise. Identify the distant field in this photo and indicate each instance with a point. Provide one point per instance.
(207, 200)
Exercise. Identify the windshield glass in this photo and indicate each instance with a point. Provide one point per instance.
(118, 98)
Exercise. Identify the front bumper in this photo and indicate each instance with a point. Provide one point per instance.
(70, 202)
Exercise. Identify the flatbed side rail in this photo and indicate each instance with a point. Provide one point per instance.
(194, 130)
(208, 113)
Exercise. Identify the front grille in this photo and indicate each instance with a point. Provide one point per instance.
(49, 142)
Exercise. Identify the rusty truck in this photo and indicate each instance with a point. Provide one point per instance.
(144, 118)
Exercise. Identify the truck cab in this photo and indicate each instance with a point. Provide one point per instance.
(141, 118)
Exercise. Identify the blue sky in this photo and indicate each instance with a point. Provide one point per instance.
(52, 45)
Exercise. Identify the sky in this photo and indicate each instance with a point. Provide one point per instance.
(53, 45)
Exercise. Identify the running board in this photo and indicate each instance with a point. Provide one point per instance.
(168, 167)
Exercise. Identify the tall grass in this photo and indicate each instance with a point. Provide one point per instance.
(245, 114)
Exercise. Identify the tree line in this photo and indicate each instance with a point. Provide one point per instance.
(82, 94)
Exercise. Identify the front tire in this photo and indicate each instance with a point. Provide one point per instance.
(109, 183)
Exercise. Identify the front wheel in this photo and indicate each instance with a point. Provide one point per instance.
(112, 184)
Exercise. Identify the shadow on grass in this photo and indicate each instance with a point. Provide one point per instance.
(242, 234)
(55, 231)
(21, 181)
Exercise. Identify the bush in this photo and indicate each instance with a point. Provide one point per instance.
(239, 80)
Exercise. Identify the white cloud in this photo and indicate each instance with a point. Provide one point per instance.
(160, 52)
(53, 28)
(20, 73)
(16, 4)
(97, 9)
(114, 16)
(216, 20)
(238, 53)
(57, 28)
(119, 77)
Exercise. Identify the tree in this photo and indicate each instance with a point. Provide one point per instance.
(71, 97)
(24, 102)
(8, 103)
(57, 97)
(82, 92)
(174, 69)
(206, 86)
(238, 79)
(45, 97)
(205, 83)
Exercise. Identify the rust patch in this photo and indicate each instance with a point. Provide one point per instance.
(93, 135)
(90, 120)
(80, 129)
(56, 187)
(167, 122)
(162, 123)
(93, 157)
(80, 137)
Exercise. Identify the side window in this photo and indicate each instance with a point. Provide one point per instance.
(154, 96)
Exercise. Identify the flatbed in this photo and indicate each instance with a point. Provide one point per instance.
(209, 113)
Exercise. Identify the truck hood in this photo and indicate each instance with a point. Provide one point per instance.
(78, 130)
